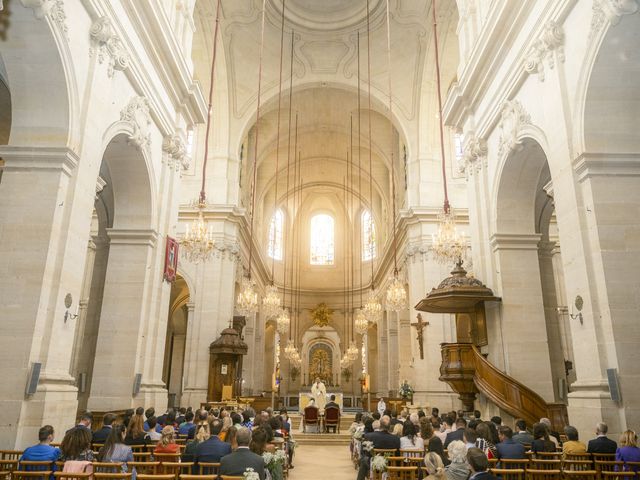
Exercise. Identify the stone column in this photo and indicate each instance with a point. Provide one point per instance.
(383, 352)
(392, 351)
(124, 314)
(35, 275)
(608, 336)
(522, 319)
(213, 309)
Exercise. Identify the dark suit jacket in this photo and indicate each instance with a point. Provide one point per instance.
(525, 437)
(236, 463)
(510, 450)
(455, 435)
(602, 445)
(99, 436)
(332, 404)
(383, 440)
(212, 450)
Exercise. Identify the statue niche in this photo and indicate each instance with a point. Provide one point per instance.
(321, 363)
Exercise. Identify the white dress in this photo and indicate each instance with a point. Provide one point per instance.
(319, 393)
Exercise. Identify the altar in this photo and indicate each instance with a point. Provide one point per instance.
(304, 398)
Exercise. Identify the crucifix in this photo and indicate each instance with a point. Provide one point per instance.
(420, 328)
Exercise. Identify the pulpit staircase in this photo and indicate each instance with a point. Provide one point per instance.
(464, 367)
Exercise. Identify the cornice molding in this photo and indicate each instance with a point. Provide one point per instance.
(132, 236)
(20, 158)
(591, 165)
(515, 241)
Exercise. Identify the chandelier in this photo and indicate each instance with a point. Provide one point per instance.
(345, 361)
(283, 321)
(372, 308)
(448, 246)
(353, 351)
(247, 301)
(290, 350)
(361, 322)
(197, 243)
(271, 303)
(396, 295)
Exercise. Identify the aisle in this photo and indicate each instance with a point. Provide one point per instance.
(322, 462)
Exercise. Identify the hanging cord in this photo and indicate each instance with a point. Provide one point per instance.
(361, 229)
(370, 147)
(255, 153)
(284, 272)
(297, 231)
(446, 206)
(275, 195)
(203, 195)
(393, 163)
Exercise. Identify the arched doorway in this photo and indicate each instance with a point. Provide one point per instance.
(530, 325)
(174, 352)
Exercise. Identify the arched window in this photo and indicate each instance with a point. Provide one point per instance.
(322, 240)
(368, 236)
(276, 229)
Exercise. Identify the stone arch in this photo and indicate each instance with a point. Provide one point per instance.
(131, 177)
(41, 80)
(608, 108)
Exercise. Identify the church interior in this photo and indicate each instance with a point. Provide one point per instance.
(268, 205)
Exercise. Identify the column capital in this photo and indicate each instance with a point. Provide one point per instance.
(21, 158)
(515, 241)
(125, 236)
(191, 306)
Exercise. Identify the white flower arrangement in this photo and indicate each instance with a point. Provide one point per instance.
(405, 389)
(379, 463)
(367, 445)
(251, 474)
(268, 458)
(358, 434)
(280, 456)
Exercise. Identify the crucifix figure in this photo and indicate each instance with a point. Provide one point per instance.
(420, 328)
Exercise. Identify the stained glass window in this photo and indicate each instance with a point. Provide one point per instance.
(275, 235)
(368, 236)
(322, 239)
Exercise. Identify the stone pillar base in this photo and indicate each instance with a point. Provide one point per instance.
(55, 403)
(589, 403)
(152, 394)
(193, 397)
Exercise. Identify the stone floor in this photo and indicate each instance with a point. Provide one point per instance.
(331, 462)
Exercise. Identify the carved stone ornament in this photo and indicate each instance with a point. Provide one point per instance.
(610, 11)
(107, 43)
(543, 49)
(137, 114)
(512, 119)
(176, 150)
(53, 9)
(227, 249)
(475, 149)
(321, 315)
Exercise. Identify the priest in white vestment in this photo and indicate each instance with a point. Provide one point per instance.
(319, 393)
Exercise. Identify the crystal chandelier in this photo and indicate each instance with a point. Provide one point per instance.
(448, 246)
(361, 322)
(345, 361)
(283, 321)
(247, 301)
(353, 351)
(197, 243)
(290, 350)
(396, 295)
(271, 303)
(372, 308)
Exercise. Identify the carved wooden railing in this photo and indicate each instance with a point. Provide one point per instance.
(468, 372)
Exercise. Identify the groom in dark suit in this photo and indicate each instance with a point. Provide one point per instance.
(236, 463)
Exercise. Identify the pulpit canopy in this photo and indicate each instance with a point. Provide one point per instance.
(456, 294)
(229, 342)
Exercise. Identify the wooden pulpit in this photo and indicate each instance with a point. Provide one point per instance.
(225, 363)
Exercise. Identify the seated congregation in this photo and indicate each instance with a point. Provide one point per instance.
(452, 447)
(184, 445)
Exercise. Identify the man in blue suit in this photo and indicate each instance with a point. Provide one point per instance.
(213, 449)
(602, 444)
(508, 448)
